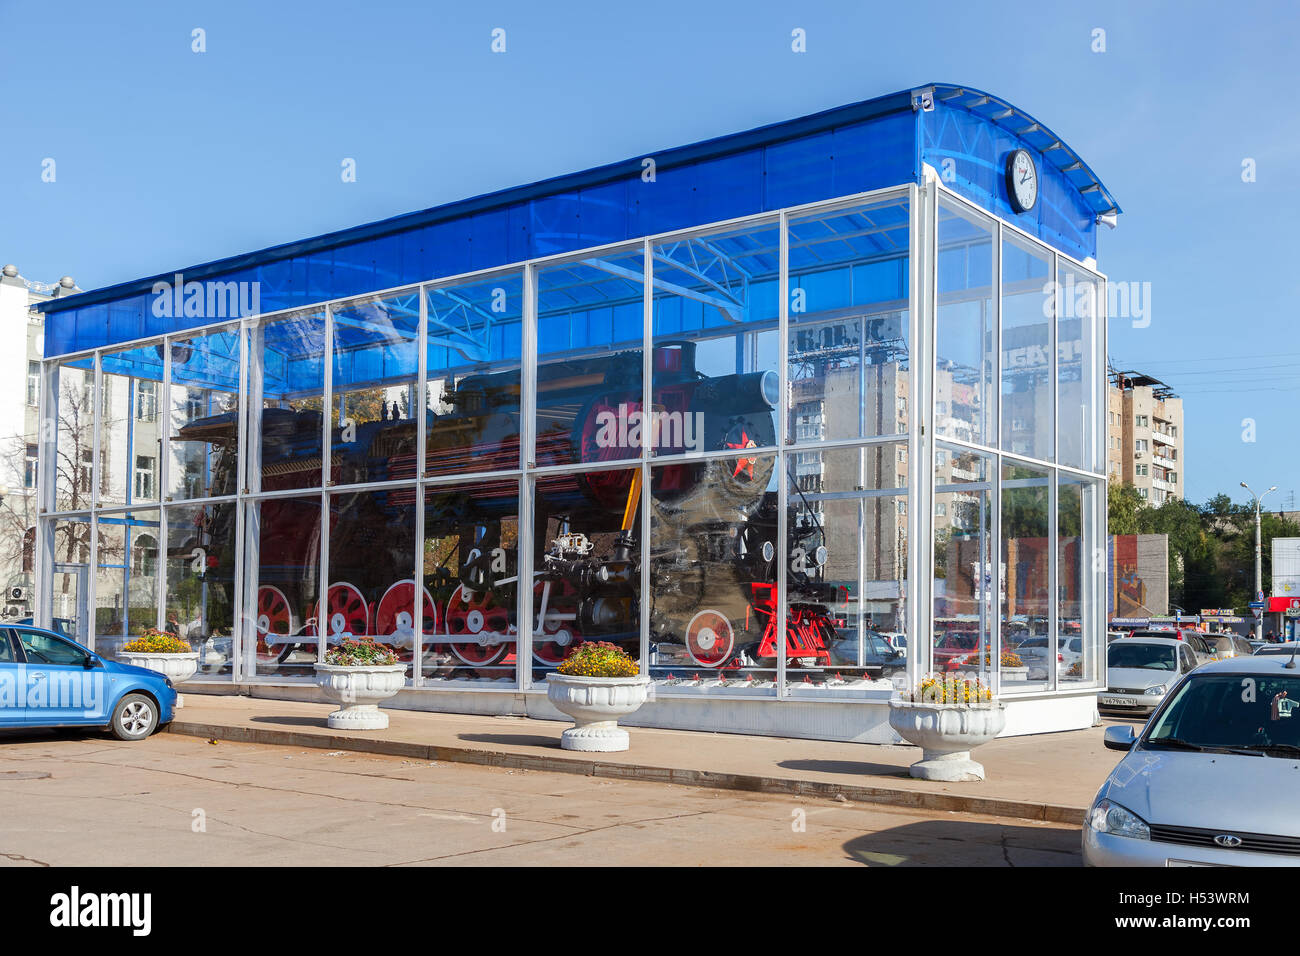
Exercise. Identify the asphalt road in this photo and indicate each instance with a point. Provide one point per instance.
(69, 799)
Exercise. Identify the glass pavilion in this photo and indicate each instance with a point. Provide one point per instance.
(788, 414)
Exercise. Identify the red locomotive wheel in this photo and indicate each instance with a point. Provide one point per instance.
(274, 616)
(564, 635)
(472, 615)
(709, 639)
(349, 616)
(395, 616)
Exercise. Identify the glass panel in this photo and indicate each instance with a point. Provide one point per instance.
(1078, 369)
(964, 390)
(290, 391)
(713, 620)
(372, 570)
(1078, 552)
(280, 638)
(1026, 349)
(589, 352)
(74, 421)
(71, 579)
(204, 416)
(964, 576)
(473, 376)
(849, 323)
(846, 577)
(1026, 588)
(375, 379)
(200, 604)
(716, 307)
(131, 427)
(471, 570)
(586, 567)
(126, 581)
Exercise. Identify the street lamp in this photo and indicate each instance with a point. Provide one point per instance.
(1259, 571)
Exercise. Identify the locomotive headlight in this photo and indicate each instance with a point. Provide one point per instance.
(820, 555)
(770, 388)
(769, 552)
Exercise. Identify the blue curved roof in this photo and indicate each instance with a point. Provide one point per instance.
(963, 133)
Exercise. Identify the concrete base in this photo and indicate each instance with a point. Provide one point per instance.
(361, 717)
(862, 720)
(947, 767)
(596, 739)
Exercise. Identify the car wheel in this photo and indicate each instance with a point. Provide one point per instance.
(134, 718)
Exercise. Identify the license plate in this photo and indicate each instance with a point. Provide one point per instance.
(1190, 863)
(1116, 701)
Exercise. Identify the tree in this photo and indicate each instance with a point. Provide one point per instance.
(1122, 505)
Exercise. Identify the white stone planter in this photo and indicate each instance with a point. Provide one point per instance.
(1015, 674)
(595, 704)
(946, 734)
(359, 690)
(177, 667)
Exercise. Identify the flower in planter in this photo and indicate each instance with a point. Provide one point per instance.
(942, 689)
(360, 653)
(598, 659)
(154, 641)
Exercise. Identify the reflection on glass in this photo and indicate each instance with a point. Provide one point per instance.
(1078, 500)
(290, 391)
(715, 341)
(200, 583)
(471, 574)
(473, 365)
(1078, 380)
(965, 580)
(280, 632)
(1027, 426)
(589, 352)
(848, 347)
(131, 426)
(74, 392)
(204, 410)
(71, 579)
(126, 582)
(964, 373)
(713, 551)
(586, 563)
(846, 577)
(374, 382)
(1026, 558)
(372, 571)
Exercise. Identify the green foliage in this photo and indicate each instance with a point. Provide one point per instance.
(1211, 547)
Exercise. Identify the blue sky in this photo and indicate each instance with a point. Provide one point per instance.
(167, 158)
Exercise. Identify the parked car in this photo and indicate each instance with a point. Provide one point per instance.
(878, 658)
(1141, 671)
(1204, 782)
(1227, 645)
(952, 648)
(1272, 650)
(1204, 654)
(81, 688)
(896, 640)
(1035, 655)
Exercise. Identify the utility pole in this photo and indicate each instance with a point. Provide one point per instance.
(1259, 569)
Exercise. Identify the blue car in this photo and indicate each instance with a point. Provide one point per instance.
(47, 680)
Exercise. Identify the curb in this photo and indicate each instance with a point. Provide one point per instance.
(554, 763)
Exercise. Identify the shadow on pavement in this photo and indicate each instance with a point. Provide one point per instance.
(967, 843)
(852, 767)
(294, 721)
(516, 740)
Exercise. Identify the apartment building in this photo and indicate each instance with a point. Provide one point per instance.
(21, 345)
(1144, 436)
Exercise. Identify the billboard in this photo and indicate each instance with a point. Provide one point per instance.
(1138, 576)
(1286, 567)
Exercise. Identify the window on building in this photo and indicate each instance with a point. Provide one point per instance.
(1141, 421)
(144, 555)
(33, 383)
(1141, 445)
(29, 467)
(146, 400)
(1143, 492)
(940, 509)
(1173, 477)
(1140, 470)
(144, 476)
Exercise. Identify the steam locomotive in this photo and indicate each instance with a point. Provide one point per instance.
(712, 556)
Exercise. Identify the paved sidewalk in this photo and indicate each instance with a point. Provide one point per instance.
(1049, 777)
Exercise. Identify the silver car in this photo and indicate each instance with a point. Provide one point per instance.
(1140, 671)
(1205, 782)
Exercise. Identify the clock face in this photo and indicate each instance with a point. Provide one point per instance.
(1022, 181)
